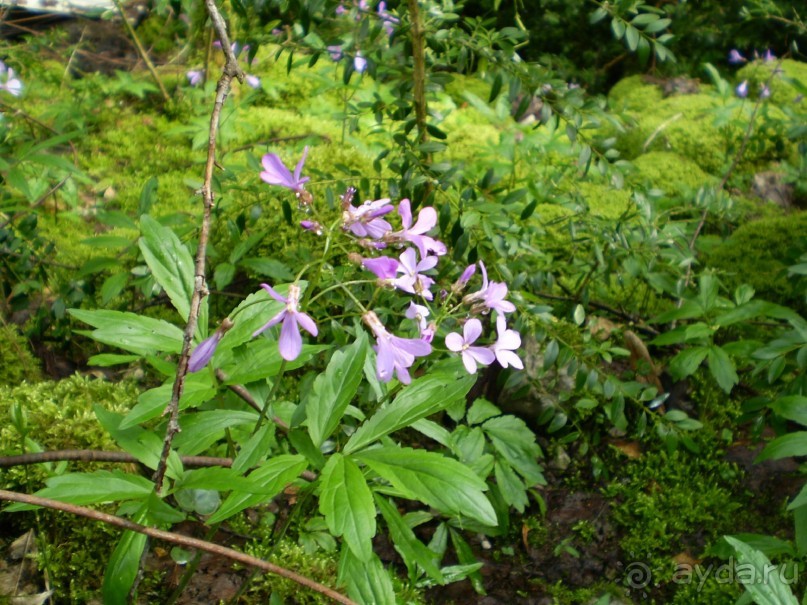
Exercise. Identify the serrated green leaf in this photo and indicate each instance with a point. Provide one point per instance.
(334, 389)
(271, 477)
(511, 487)
(722, 368)
(131, 332)
(347, 504)
(425, 396)
(515, 442)
(687, 361)
(170, 262)
(792, 407)
(366, 581)
(199, 388)
(439, 481)
(202, 429)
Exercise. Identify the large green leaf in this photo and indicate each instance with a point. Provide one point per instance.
(515, 442)
(439, 481)
(347, 504)
(414, 553)
(122, 568)
(334, 389)
(170, 262)
(792, 444)
(150, 404)
(202, 429)
(258, 360)
(792, 407)
(722, 368)
(131, 332)
(753, 570)
(92, 488)
(425, 396)
(271, 477)
(368, 583)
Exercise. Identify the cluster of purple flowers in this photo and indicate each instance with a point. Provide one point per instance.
(408, 271)
(736, 58)
(9, 80)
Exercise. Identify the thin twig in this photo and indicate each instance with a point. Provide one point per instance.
(231, 70)
(174, 538)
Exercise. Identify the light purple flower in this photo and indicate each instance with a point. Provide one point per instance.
(388, 21)
(764, 92)
(290, 342)
(195, 76)
(419, 313)
(335, 50)
(505, 345)
(340, 10)
(366, 221)
(384, 267)
(466, 276)
(276, 173)
(394, 354)
(490, 296)
(735, 58)
(359, 63)
(427, 219)
(9, 80)
(312, 226)
(203, 352)
(411, 280)
(742, 89)
(768, 56)
(471, 356)
(253, 81)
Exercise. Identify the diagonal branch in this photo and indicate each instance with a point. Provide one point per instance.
(179, 539)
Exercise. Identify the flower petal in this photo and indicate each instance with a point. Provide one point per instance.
(274, 294)
(308, 324)
(482, 355)
(274, 172)
(405, 210)
(290, 341)
(384, 360)
(469, 362)
(299, 167)
(472, 330)
(454, 342)
(427, 219)
(275, 320)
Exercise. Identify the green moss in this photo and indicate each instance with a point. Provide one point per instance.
(17, 362)
(759, 253)
(784, 90)
(670, 172)
(633, 94)
(59, 415)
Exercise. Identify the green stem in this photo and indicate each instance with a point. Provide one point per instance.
(270, 397)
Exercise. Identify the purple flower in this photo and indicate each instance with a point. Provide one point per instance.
(427, 219)
(290, 342)
(394, 354)
(742, 89)
(195, 76)
(9, 80)
(275, 173)
(490, 296)
(388, 21)
(359, 63)
(366, 221)
(312, 226)
(203, 352)
(735, 58)
(419, 313)
(467, 274)
(335, 51)
(411, 281)
(340, 10)
(471, 356)
(768, 56)
(384, 267)
(764, 92)
(507, 342)
(253, 81)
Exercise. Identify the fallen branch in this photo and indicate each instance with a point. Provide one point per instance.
(179, 539)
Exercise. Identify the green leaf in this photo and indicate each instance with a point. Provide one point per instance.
(512, 488)
(203, 429)
(334, 389)
(722, 368)
(425, 396)
(413, 552)
(631, 37)
(112, 286)
(199, 388)
(92, 488)
(792, 444)
(439, 481)
(271, 477)
(515, 442)
(131, 332)
(687, 361)
(765, 588)
(170, 262)
(347, 504)
(255, 449)
(122, 568)
(466, 557)
(792, 407)
(367, 581)
(213, 478)
(259, 360)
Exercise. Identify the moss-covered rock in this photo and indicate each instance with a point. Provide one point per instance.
(634, 94)
(670, 172)
(760, 252)
(17, 361)
(785, 86)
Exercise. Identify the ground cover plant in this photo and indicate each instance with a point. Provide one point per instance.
(375, 303)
